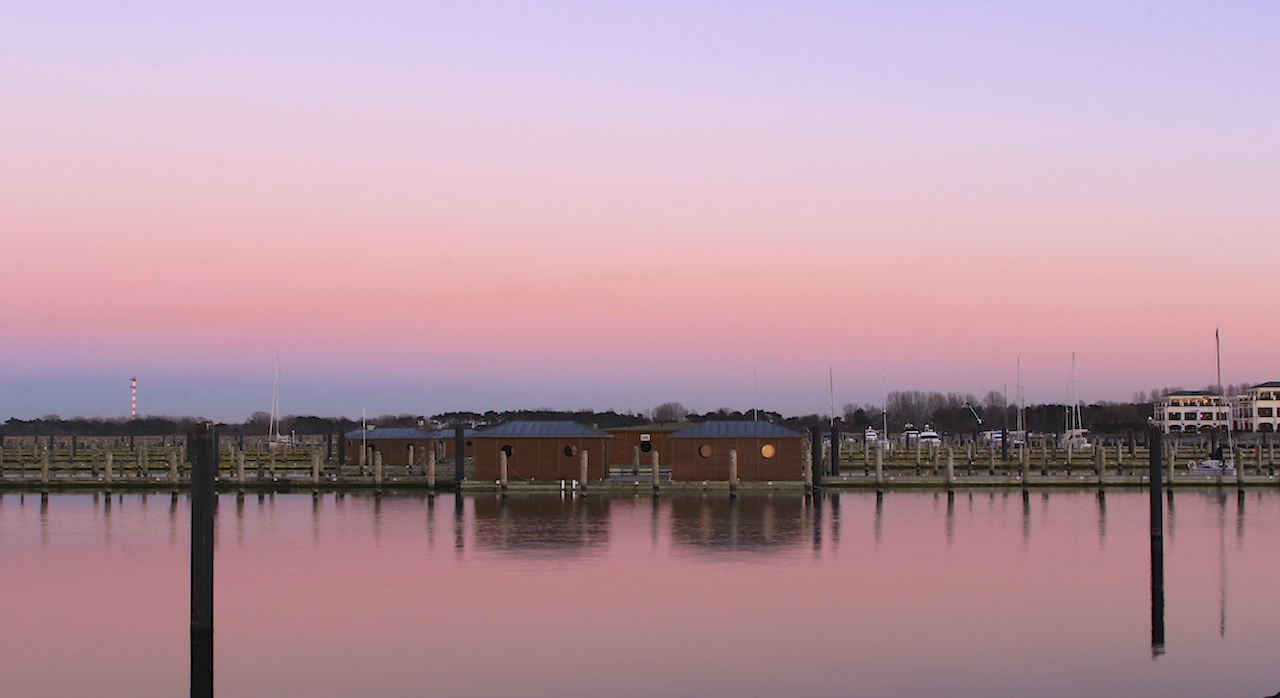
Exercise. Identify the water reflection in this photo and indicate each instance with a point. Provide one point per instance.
(691, 565)
(752, 523)
(541, 524)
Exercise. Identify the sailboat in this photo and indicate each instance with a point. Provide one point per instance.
(1074, 436)
(274, 438)
(1223, 460)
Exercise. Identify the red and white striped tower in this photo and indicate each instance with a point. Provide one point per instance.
(133, 398)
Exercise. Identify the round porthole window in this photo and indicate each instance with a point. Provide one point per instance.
(570, 452)
(506, 448)
(768, 451)
(705, 450)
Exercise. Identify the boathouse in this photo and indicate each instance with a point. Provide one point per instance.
(541, 451)
(635, 445)
(394, 445)
(765, 451)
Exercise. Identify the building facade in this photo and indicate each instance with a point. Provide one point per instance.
(541, 451)
(764, 451)
(1257, 409)
(1192, 411)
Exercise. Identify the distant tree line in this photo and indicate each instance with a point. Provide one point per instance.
(951, 413)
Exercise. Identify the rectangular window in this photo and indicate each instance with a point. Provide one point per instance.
(1265, 412)
(1175, 415)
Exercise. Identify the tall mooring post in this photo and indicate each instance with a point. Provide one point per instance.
(204, 466)
(459, 446)
(835, 450)
(815, 450)
(733, 473)
(1155, 461)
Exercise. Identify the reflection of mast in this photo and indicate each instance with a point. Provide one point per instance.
(1222, 567)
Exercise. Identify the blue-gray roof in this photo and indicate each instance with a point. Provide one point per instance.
(737, 430)
(390, 433)
(1268, 384)
(542, 430)
(449, 433)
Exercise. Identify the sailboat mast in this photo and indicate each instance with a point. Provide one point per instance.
(831, 385)
(1021, 402)
(273, 430)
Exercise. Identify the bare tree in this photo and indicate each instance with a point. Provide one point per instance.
(669, 412)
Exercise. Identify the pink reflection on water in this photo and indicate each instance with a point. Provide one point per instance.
(982, 593)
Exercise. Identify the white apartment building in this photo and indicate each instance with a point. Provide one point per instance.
(1257, 409)
(1191, 411)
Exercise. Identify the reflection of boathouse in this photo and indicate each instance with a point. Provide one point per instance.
(541, 451)
(539, 523)
(765, 451)
(752, 522)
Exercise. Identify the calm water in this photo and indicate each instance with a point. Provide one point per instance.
(987, 594)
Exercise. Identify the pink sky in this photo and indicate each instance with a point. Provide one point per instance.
(489, 206)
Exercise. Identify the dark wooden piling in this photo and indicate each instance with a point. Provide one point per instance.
(835, 451)
(459, 447)
(204, 467)
(1155, 439)
(815, 449)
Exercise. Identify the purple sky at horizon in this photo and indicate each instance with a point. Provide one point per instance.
(468, 206)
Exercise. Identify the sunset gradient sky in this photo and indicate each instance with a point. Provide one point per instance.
(427, 207)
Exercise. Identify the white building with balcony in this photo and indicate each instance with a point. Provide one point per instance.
(1192, 411)
(1257, 409)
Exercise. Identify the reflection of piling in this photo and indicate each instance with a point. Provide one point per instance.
(203, 469)
(1155, 439)
(733, 473)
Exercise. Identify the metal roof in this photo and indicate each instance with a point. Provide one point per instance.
(542, 430)
(390, 433)
(1268, 384)
(449, 433)
(737, 430)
